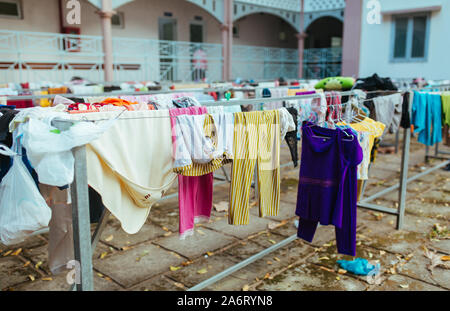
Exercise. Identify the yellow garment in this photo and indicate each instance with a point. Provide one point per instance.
(256, 140)
(292, 92)
(376, 128)
(130, 165)
(44, 102)
(197, 169)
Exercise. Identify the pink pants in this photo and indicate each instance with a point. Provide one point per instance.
(195, 194)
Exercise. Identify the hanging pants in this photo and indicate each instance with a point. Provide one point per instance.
(256, 141)
(195, 193)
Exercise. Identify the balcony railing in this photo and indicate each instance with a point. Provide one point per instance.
(34, 56)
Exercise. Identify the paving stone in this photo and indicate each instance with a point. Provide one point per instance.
(230, 283)
(403, 283)
(198, 244)
(286, 230)
(329, 257)
(59, 283)
(287, 211)
(13, 272)
(38, 255)
(421, 208)
(416, 268)
(311, 278)
(165, 215)
(157, 283)
(121, 239)
(244, 250)
(136, 265)
(267, 239)
(208, 267)
(442, 246)
(256, 225)
(399, 242)
(33, 241)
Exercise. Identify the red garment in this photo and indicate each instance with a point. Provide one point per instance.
(334, 108)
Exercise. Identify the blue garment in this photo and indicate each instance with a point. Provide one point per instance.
(427, 117)
(359, 266)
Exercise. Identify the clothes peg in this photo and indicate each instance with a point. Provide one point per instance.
(228, 95)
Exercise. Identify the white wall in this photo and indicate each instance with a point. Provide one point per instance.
(376, 43)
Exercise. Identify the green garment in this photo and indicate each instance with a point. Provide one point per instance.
(446, 108)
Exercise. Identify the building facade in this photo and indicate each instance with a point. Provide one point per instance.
(171, 39)
(410, 40)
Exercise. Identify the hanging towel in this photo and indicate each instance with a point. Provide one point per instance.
(131, 178)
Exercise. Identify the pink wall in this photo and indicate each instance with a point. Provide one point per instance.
(352, 38)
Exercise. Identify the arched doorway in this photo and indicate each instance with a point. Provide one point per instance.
(264, 47)
(323, 48)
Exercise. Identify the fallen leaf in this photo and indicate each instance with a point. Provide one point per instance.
(38, 264)
(324, 258)
(7, 253)
(126, 248)
(245, 288)
(327, 269)
(187, 263)
(254, 203)
(327, 245)
(338, 278)
(168, 233)
(179, 285)
(47, 279)
(382, 253)
(165, 229)
(276, 258)
(31, 278)
(272, 241)
(103, 255)
(108, 239)
(269, 262)
(445, 258)
(172, 268)
(27, 263)
(221, 206)
(404, 285)
(17, 252)
(342, 271)
(370, 255)
(266, 276)
(272, 225)
(202, 271)
(99, 274)
(201, 232)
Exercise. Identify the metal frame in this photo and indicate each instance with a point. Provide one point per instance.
(82, 241)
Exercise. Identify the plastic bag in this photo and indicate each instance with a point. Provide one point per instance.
(50, 150)
(23, 210)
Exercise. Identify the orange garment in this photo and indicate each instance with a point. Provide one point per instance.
(58, 90)
(117, 102)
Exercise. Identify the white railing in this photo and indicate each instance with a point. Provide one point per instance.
(34, 56)
(252, 62)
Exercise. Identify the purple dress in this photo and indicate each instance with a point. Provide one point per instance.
(328, 184)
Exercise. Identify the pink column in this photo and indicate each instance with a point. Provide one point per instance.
(227, 39)
(301, 39)
(105, 14)
(352, 38)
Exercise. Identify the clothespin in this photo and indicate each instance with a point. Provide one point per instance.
(228, 95)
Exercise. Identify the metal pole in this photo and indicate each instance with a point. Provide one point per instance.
(81, 221)
(403, 178)
(106, 14)
(242, 264)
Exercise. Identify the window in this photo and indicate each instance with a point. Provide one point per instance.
(11, 9)
(410, 37)
(235, 31)
(117, 20)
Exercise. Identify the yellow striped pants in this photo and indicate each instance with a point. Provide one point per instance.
(256, 141)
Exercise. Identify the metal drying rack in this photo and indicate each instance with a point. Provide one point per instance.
(84, 242)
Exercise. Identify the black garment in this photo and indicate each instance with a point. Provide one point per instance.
(375, 83)
(406, 119)
(291, 137)
(6, 138)
(183, 102)
(111, 88)
(96, 206)
(77, 100)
